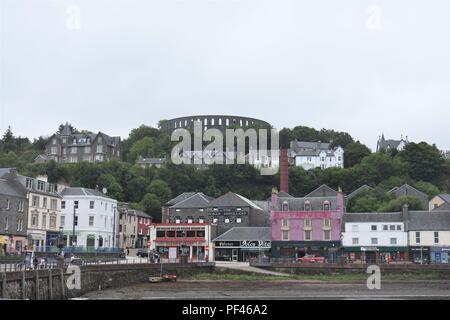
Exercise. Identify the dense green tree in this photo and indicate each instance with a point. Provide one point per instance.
(152, 205)
(428, 188)
(161, 189)
(424, 162)
(395, 205)
(354, 152)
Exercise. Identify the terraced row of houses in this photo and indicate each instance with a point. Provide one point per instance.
(237, 229)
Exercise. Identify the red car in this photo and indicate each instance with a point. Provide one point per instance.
(311, 259)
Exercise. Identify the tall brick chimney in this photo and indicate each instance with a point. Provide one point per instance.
(284, 175)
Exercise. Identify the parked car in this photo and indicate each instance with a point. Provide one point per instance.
(309, 258)
(142, 253)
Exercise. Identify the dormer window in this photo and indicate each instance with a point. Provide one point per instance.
(326, 206)
(285, 206)
(307, 206)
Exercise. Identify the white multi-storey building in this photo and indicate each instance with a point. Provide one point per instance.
(375, 236)
(95, 218)
(310, 155)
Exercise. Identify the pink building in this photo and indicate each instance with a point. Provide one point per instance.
(308, 225)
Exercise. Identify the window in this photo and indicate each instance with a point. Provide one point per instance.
(34, 220)
(393, 240)
(44, 221)
(177, 219)
(53, 150)
(91, 204)
(355, 240)
(385, 227)
(238, 220)
(6, 223)
(285, 222)
(100, 149)
(44, 205)
(374, 240)
(326, 223)
(8, 202)
(99, 140)
(307, 235)
(436, 237)
(373, 227)
(41, 185)
(307, 223)
(53, 204)
(189, 219)
(215, 220)
(307, 206)
(76, 221)
(75, 203)
(52, 222)
(326, 206)
(285, 235)
(19, 224)
(355, 227)
(201, 219)
(29, 183)
(399, 227)
(417, 237)
(326, 235)
(63, 204)
(227, 220)
(20, 206)
(392, 227)
(63, 221)
(35, 201)
(87, 150)
(91, 221)
(73, 150)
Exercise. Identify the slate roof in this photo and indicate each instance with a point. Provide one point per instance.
(74, 191)
(231, 199)
(179, 198)
(9, 188)
(298, 204)
(322, 191)
(197, 200)
(429, 220)
(445, 197)
(443, 207)
(246, 233)
(373, 217)
(406, 189)
(306, 148)
(363, 188)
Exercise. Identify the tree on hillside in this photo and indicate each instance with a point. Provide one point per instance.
(161, 189)
(425, 162)
(397, 204)
(428, 188)
(152, 205)
(354, 152)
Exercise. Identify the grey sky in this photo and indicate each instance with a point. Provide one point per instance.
(323, 63)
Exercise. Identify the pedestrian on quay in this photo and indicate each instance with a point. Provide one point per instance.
(35, 263)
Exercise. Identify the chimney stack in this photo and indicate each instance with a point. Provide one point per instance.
(405, 213)
(284, 144)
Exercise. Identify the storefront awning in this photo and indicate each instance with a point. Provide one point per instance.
(375, 249)
(36, 236)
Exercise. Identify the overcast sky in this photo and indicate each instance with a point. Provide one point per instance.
(364, 67)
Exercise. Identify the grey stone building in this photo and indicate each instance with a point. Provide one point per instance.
(13, 216)
(223, 213)
(388, 144)
(407, 190)
(66, 146)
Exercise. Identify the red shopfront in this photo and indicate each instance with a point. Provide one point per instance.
(173, 241)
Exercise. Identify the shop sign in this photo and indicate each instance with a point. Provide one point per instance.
(369, 249)
(227, 244)
(255, 244)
